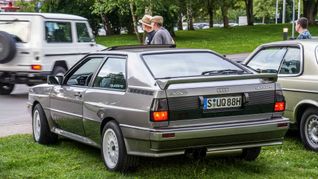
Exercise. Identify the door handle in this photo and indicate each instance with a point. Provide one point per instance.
(78, 94)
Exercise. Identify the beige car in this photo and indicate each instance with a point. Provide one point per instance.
(296, 63)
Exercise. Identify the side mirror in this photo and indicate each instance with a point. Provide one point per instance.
(55, 80)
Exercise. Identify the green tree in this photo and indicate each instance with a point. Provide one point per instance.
(249, 11)
(225, 6)
(264, 9)
(76, 7)
(310, 10)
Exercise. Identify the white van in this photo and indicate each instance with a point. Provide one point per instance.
(34, 45)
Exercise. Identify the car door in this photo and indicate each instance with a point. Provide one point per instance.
(107, 96)
(66, 100)
(287, 62)
(290, 70)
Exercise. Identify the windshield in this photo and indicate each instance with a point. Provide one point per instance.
(184, 64)
(18, 29)
(267, 60)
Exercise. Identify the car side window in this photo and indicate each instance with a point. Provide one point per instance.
(82, 33)
(268, 60)
(292, 62)
(84, 73)
(58, 32)
(112, 75)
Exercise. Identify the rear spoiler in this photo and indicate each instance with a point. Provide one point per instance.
(165, 83)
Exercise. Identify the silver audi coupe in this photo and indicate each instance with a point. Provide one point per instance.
(157, 101)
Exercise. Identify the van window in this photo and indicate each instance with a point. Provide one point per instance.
(58, 32)
(82, 33)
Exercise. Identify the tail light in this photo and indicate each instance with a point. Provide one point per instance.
(280, 103)
(279, 106)
(36, 67)
(159, 110)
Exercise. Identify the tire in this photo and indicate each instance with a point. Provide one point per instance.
(309, 129)
(58, 71)
(41, 130)
(6, 88)
(7, 47)
(112, 145)
(196, 154)
(250, 154)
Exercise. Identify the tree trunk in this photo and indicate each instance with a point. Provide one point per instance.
(134, 19)
(107, 25)
(180, 24)
(263, 20)
(224, 10)
(190, 16)
(210, 12)
(310, 10)
(249, 12)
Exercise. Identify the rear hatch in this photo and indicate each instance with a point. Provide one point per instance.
(227, 101)
(203, 88)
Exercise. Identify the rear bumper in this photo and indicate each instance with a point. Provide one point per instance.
(29, 78)
(213, 137)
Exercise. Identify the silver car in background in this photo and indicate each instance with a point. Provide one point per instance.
(157, 102)
(296, 63)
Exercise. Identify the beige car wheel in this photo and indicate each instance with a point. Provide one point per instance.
(309, 129)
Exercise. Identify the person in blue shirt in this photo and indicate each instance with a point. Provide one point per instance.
(301, 28)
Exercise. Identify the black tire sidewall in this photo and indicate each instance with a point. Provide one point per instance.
(122, 154)
(302, 126)
(251, 154)
(9, 47)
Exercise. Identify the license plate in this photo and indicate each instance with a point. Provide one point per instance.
(222, 102)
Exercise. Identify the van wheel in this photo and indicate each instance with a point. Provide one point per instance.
(114, 151)
(309, 129)
(6, 88)
(7, 47)
(59, 71)
(40, 127)
(250, 154)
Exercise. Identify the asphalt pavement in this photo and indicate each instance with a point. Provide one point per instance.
(14, 117)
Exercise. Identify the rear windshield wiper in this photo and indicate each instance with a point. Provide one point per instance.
(222, 72)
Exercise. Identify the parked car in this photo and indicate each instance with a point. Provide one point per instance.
(157, 102)
(297, 68)
(34, 45)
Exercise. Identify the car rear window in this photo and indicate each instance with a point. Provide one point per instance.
(185, 64)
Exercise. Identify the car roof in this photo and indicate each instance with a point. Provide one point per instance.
(46, 15)
(143, 51)
(313, 41)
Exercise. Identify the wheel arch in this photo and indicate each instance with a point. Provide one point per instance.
(34, 104)
(301, 107)
(105, 121)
